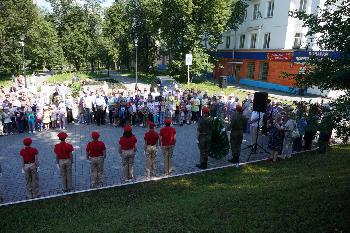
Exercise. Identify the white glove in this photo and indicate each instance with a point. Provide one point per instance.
(58, 167)
(22, 171)
(38, 169)
(197, 141)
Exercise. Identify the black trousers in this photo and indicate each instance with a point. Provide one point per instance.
(308, 137)
(70, 118)
(99, 115)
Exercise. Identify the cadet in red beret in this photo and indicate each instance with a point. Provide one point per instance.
(96, 153)
(30, 167)
(63, 151)
(127, 151)
(151, 143)
(168, 140)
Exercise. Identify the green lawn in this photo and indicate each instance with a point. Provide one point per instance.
(5, 80)
(68, 76)
(308, 193)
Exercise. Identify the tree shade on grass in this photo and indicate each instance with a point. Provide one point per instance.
(307, 193)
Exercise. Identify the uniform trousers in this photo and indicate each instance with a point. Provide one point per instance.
(236, 139)
(96, 171)
(204, 148)
(168, 155)
(128, 157)
(32, 180)
(66, 173)
(151, 153)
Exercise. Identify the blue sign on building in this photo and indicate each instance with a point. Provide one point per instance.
(303, 56)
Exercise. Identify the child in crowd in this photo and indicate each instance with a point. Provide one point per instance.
(53, 112)
(31, 121)
(7, 122)
(46, 118)
(39, 120)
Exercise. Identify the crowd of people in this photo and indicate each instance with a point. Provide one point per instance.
(289, 129)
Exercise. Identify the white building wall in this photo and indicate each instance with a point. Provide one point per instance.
(282, 27)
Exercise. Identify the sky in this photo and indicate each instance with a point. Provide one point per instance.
(45, 4)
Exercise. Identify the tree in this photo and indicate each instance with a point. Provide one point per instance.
(16, 18)
(116, 33)
(330, 29)
(72, 26)
(43, 45)
(187, 26)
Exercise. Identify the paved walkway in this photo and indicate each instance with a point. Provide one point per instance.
(12, 183)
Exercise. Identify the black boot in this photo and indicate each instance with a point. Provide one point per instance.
(202, 166)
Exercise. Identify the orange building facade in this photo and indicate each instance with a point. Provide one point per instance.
(262, 69)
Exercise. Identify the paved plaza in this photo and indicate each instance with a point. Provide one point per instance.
(186, 156)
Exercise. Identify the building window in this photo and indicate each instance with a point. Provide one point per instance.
(267, 37)
(263, 71)
(251, 70)
(302, 6)
(241, 41)
(228, 42)
(270, 8)
(253, 41)
(297, 40)
(256, 12)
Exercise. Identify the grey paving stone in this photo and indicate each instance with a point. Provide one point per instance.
(186, 156)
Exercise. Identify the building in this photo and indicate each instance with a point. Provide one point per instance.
(268, 43)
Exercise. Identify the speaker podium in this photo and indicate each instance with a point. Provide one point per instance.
(259, 105)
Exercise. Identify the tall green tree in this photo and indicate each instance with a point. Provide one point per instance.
(44, 49)
(330, 29)
(16, 18)
(186, 24)
(72, 26)
(143, 16)
(94, 13)
(117, 34)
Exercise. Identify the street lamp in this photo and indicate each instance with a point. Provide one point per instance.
(22, 37)
(136, 41)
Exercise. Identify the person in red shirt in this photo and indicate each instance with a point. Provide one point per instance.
(127, 151)
(63, 151)
(30, 167)
(168, 141)
(96, 153)
(151, 143)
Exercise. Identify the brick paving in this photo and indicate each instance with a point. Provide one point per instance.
(12, 183)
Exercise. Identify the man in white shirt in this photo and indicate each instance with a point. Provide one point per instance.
(87, 104)
(100, 105)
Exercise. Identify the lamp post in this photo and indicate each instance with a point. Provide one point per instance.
(22, 37)
(136, 45)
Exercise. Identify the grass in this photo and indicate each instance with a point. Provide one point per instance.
(308, 193)
(64, 77)
(5, 80)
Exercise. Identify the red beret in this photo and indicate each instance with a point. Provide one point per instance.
(127, 128)
(27, 141)
(205, 110)
(151, 124)
(62, 135)
(95, 135)
(167, 121)
(239, 108)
